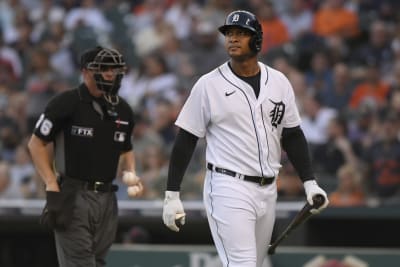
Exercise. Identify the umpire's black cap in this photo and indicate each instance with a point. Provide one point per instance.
(89, 56)
(99, 57)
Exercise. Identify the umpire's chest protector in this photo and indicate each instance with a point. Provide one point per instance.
(237, 124)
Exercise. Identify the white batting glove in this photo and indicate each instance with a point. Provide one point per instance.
(173, 210)
(312, 189)
(130, 178)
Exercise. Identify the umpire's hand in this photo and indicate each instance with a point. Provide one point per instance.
(173, 212)
(57, 213)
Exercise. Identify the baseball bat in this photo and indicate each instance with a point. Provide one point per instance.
(300, 218)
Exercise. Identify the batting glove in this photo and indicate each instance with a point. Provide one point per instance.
(312, 189)
(173, 211)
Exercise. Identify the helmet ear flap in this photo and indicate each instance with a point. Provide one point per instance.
(256, 40)
(254, 44)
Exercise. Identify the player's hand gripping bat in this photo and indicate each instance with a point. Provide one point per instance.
(300, 218)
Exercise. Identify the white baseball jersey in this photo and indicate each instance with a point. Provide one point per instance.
(242, 132)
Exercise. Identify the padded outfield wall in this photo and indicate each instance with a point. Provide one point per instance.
(24, 243)
(205, 256)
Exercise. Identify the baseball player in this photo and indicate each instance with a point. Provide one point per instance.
(247, 113)
(90, 127)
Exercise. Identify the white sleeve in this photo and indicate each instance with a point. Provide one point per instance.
(195, 114)
(292, 116)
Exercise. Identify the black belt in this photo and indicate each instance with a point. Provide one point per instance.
(255, 179)
(95, 186)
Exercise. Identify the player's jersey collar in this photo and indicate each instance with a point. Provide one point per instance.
(228, 74)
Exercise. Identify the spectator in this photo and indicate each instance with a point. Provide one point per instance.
(8, 25)
(143, 14)
(193, 186)
(275, 32)
(163, 121)
(154, 171)
(214, 11)
(9, 58)
(281, 6)
(393, 98)
(10, 131)
(22, 172)
(364, 127)
(16, 110)
(383, 159)
(338, 49)
(144, 135)
(87, 14)
(154, 81)
(377, 49)
(181, 15)
(290, 187)
(4, 179)
(178, 61)
(371, 89)
(315, 121)
(349, 190)
(338, 95)
(320, 76)
(371, 10)
(149, 39)
(300, 88)
(23, 43)
(39, 85)
(44, 15)
(394, 101)
(7, 75)
(298, 19)
(338, 151)
(395, 42)
(204, 51)
(285, 65)
(60, 57)
(332, 18)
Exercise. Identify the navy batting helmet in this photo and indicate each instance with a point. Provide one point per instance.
(247, 20)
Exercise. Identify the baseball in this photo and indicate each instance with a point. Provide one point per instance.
(134, 191)
(130, 178)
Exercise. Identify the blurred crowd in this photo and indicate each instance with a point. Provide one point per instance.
(342, 58)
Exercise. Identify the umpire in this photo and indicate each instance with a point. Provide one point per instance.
(77, 145)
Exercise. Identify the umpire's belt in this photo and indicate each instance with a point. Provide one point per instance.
(255, 179)
(95, 186)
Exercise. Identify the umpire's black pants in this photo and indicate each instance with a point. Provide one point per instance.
(92, 231)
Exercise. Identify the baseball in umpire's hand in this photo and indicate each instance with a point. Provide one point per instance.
(173, 212)
(135, 190)
(130, 178)
(312, 189)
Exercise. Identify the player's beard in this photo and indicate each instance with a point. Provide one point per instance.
(243, 57)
